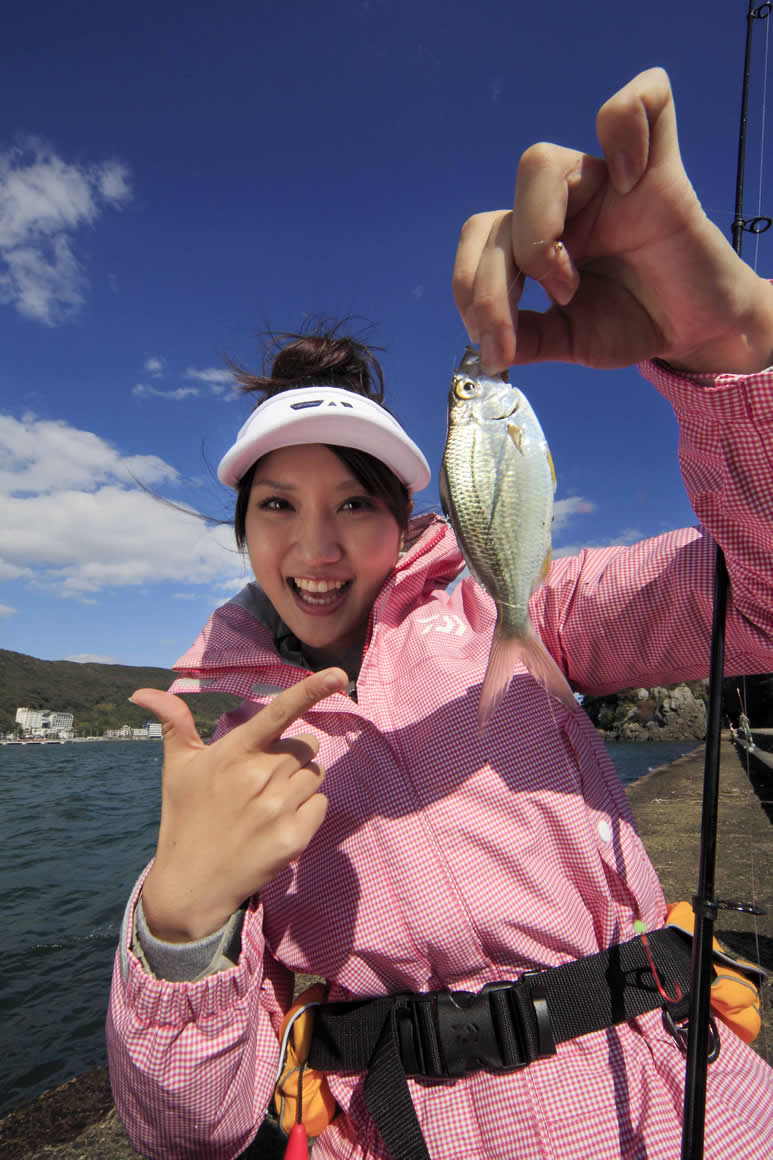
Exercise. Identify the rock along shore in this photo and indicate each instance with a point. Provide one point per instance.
(77, 1121)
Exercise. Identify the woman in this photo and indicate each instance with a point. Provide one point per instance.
(437, 859)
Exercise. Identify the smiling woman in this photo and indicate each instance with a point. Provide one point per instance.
(443, 870)
(320, 546)
(323, 523)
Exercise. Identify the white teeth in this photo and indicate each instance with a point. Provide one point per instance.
(318, 591)
(318, 585)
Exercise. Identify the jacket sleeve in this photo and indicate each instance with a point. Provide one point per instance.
(622, 617)
(193, 1064)
(187, 962)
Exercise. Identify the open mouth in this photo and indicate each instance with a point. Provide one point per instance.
(318, 593)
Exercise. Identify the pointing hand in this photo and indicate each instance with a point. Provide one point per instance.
(233, 814)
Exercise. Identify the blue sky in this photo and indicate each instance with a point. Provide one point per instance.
(174, 178)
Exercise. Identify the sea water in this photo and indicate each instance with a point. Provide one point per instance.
(78, 823)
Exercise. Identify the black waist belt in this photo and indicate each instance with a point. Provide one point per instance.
(444, 1034)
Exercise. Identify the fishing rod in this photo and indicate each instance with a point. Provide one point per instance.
(705, 905)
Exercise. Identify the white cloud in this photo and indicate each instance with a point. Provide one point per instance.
(232, 585)
(11, 572)
(627, 536)
(220, 382)
(38, 456)
(74, 523)
(566, 509)
(43, 282)
(91, 658)
(6, 610)
(210, 375)
(113, 182)
(141, 391)
(217, 382)
(43, 200)
(154, 367)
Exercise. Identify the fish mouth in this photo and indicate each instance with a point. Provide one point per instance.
(469, 362)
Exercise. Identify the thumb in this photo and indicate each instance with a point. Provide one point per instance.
(637, 128)
(176, 719)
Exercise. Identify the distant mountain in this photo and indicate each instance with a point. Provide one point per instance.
(96, 695)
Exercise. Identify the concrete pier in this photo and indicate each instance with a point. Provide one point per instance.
(667, 807)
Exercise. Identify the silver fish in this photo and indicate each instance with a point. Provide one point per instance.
(497, 484)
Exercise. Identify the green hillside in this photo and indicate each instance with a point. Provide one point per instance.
(96, 695)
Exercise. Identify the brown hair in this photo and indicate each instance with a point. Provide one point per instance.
(324, 358)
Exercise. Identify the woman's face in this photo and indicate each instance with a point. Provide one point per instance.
(320, 547)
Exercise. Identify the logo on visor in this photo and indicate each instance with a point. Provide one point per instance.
(318, 403)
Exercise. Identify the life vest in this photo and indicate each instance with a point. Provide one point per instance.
(735, 990)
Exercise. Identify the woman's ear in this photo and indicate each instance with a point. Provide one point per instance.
(402, 537)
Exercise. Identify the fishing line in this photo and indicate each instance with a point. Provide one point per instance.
(705, 904)
(762, 143)
(754, 888)
(513, 283)
(763, 1012)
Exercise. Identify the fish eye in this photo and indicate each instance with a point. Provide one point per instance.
(467, 389)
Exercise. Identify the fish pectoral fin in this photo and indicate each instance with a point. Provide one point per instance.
(552, 468)
(516, 434)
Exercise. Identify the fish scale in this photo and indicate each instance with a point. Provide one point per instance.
(497, 484)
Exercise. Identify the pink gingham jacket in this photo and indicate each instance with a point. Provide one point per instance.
(448, 859)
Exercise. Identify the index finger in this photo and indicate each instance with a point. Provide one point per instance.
(553, 185)
(474, 237)
(269, 724)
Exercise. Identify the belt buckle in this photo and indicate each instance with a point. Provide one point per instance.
(546, 1044)
(502, 1027)
(466, 1031)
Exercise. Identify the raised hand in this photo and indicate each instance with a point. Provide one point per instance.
(621, 245)
(233, 814)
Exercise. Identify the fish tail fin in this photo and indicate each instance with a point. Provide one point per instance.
(506, 653)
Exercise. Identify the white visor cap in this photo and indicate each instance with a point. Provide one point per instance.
(324, 415)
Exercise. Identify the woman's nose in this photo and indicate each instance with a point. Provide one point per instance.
(318, 542)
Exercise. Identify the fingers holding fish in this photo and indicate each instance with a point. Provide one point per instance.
(552, 187)
(499, 250)
(487, 286)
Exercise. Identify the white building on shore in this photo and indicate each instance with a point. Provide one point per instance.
(150, 731)
(36, 722)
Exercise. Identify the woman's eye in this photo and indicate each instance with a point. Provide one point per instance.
(358, 503)
(274, 503)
